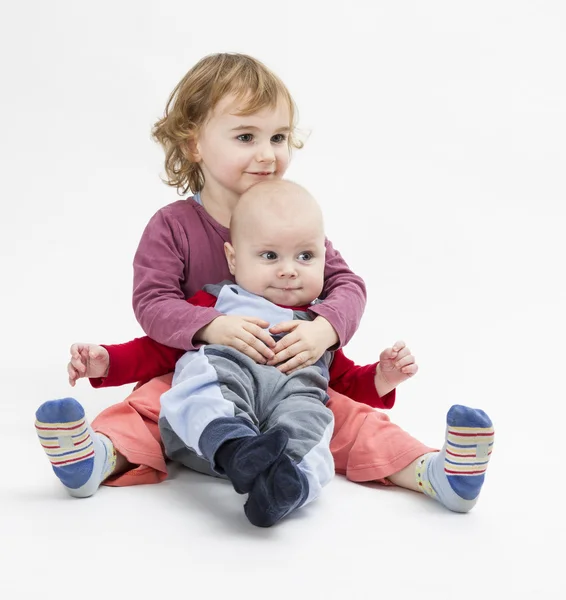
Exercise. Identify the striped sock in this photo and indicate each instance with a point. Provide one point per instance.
(455, 475)
(80, 458)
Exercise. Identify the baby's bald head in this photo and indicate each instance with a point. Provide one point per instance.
(280, 201)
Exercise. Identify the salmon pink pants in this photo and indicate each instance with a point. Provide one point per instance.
(366, 445)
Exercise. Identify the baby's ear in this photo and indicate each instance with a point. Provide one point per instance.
(230, 257)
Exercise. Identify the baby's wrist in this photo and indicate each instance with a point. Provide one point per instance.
(382, 385)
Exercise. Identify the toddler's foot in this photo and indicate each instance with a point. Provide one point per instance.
(455, 475)
(80, 458)
(276, 493)
(243, 459)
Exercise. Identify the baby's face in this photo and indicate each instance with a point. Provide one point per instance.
(280, 259)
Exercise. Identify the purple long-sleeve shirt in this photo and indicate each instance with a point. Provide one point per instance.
(182, 249)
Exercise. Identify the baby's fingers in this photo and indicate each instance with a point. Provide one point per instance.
(403, 354)
(387, 354)
(398, 346)
(410, 369)
(78, 364)
(75, 350)
(73, 375)
(405, 361)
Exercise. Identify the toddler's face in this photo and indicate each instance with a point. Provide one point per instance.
(237, 151)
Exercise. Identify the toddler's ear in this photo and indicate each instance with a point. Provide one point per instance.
(230, 257)
(191, 151)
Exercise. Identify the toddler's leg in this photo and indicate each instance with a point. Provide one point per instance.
(128, 428)
(132, 425)
(455, 475)
(80, 458)
(367, 446)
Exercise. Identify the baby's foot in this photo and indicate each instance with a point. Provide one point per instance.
(243, 459)
(276, 493)
(80, 458)
(455, 475)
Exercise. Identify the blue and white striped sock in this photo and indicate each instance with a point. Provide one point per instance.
(80, 458)
(455, 475)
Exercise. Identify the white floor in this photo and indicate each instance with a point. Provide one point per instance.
(189, 534)
(440, 128)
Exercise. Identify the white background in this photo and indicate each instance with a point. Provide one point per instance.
(437, 149)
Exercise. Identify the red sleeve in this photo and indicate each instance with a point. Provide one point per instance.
(143, 359)
(357, 382)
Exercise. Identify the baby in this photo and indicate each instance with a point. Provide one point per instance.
(268, 432)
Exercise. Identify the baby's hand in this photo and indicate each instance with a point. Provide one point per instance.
(249, 335)
(87, 360)
(396, 365)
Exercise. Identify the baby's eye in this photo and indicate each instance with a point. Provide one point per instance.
(269, 255)
(305, 256)
(246, 138)
(279, 138)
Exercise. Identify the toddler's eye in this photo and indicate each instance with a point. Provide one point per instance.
(245, 137)
(279, 138)
(269, 255)
(305, 256)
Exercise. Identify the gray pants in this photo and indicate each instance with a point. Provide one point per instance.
(217, 382)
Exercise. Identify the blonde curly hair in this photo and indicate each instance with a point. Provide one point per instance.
(196, 95)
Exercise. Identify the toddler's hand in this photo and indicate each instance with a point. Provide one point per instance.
(249, 335)
(87, 360)
(304, 344)
(396, 365)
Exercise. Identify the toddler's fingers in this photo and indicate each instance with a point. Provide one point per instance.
(410, 370)
(259, 352)
(74, 350)
(260, 340)
(299, 361)
(262, 334)
(256, 321)
(250, 351)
